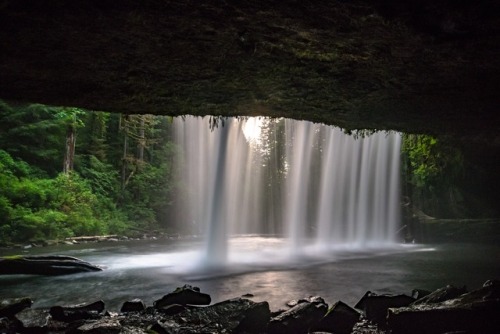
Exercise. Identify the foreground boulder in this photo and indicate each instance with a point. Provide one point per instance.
(232, 316)
(44, 265)
(186, 295)
(104, 326)
(420, 293)
(11, 306)
(340, 319)
(300, 318)
(77, 312)
(474, 312)
(134, 305)
(375, 306)
(33, 320)
(441, 295)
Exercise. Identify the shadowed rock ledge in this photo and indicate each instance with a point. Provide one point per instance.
(422, 66)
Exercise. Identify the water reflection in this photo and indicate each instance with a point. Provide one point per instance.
(135, 272)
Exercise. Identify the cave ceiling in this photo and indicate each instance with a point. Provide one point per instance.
(416, 66)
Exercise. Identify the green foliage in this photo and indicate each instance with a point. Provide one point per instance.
(424, 163)
(37, 225)
(146, 194)
(432, 168)
(122, 173)
(70, 116)
(35, 135)
(430, 159)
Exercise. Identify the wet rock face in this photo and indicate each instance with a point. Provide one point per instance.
(473, 312)
(425, 66)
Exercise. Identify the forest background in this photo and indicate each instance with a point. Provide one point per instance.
(68, 172)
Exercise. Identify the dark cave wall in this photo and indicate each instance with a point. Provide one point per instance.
(418, 66)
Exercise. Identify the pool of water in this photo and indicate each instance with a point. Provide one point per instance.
(256, 265)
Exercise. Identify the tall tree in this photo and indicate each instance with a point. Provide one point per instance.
(138, 129)
(72, 118)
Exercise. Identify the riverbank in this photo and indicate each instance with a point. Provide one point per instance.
(150, 235)
(460, 230)
(188, 310)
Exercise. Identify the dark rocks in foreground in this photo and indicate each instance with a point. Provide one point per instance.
(475, 312)
(135, 305)
(374, 306)
(441, 295)
(12, 306)
(445, 310)
(300, 318)
(77, 312)
(186, 295)
(340, 317)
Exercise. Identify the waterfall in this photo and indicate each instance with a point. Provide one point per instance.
(312, 183)
(359, 195)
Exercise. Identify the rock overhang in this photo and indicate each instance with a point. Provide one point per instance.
(424, 66)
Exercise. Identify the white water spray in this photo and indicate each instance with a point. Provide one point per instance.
(337, 192)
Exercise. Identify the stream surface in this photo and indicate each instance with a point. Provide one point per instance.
(257, 266)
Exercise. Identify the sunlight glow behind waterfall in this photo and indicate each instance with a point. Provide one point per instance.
(316, 188)
(252, 129)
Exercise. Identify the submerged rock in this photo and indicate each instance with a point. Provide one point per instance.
(473, 312)
(51, 265)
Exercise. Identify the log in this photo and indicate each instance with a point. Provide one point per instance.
(52, 265)
(93, 238)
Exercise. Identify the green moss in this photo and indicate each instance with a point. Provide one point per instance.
(11, 257)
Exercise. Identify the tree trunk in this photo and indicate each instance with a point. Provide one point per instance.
(124, 126)
(142, 140)
(69, 153)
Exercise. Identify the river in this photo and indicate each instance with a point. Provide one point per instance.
(150, 269)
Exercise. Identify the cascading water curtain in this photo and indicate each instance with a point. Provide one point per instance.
(338, 191)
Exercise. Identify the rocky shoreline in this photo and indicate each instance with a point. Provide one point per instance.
(99, 238)
(188, 310)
